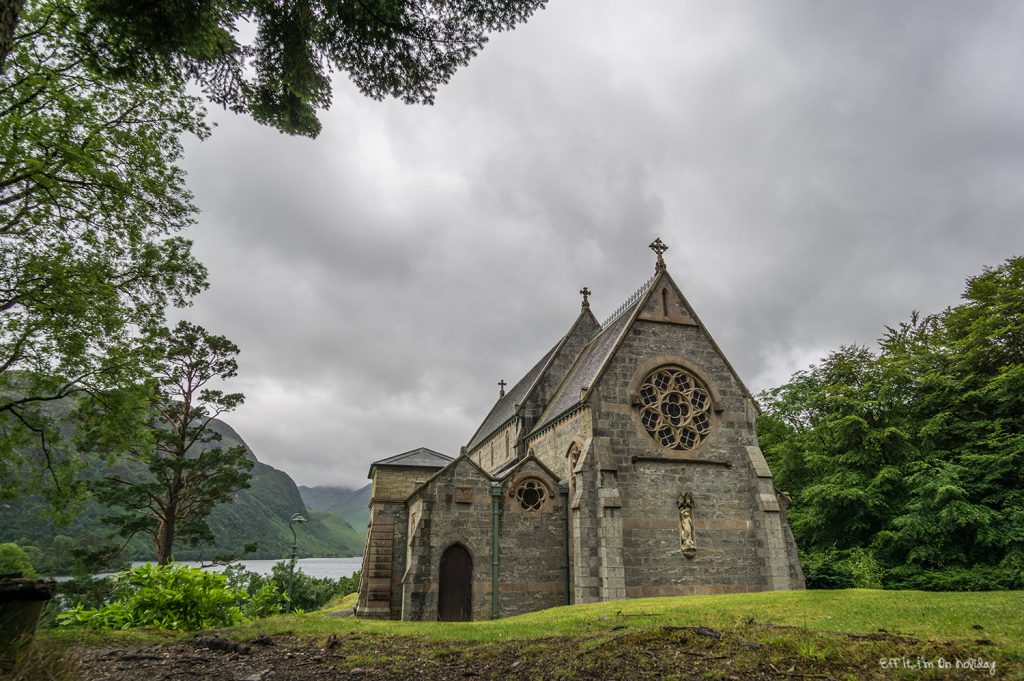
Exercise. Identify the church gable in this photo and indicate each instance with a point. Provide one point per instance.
(669, 375)
(451, 509)
(658, 301)
(665, 303)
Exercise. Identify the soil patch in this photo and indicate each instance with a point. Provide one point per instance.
(748, 652)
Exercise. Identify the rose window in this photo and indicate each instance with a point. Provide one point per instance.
(675, 408)
(531, 495)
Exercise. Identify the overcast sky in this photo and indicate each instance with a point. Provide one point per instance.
(818, 170)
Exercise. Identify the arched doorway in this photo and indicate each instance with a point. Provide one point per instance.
(455, 590)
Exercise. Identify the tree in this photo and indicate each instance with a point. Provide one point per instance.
(834, 436)
(399, 48)
(911, 458)
(90, 201)
(177, 483)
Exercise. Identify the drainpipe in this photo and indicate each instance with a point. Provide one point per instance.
(495, 556)
(563, 490)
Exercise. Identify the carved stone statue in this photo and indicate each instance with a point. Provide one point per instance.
(686, 536)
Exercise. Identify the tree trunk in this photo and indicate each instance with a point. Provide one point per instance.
(10, 13)
(165, 538)
(165, 535)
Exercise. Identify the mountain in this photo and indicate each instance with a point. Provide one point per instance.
(352, 505)
(259, 514)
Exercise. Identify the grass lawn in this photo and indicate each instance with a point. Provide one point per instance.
(851, 634)
(917, 614)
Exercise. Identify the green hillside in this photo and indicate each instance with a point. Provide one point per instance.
(259, 514)
(350, 504)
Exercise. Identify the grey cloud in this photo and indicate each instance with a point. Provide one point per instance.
(819, 169)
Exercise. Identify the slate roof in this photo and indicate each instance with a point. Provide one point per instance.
(587, 366)
(416, 458)
(504, 408)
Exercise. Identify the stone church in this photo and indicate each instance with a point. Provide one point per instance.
(625, 463)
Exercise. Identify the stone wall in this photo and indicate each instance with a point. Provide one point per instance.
(532, 571)
(739, 537)
(498, 449)
(392, 483)
(455, 508)
(551, 445)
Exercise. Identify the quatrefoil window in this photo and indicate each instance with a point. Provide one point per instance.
(531, 494)
(675, 408)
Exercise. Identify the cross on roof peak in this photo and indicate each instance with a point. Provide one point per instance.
(501, 387)
(659, 247)
(585, 292)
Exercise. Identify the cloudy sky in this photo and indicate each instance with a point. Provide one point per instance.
(818, 169)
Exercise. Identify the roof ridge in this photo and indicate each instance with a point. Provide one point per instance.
(520, 392)
(567, 403)
(630, 301)
(411, 453)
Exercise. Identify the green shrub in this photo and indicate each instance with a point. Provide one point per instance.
(14, 561)
(866, 572)
(854, 568)
(976, 578)
(349, 585)
(166, 596)
(308, 593)
(88, 592)
(187, 598)
(826, 570)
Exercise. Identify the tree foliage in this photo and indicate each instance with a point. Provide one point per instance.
(912, 457)
(91, 200)
(13, 560)
(398, 48)
(185, 474)
(176, 597)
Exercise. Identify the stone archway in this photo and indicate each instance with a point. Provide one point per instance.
(455, 585)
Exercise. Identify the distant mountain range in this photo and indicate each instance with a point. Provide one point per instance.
(353, 505)
(259, 514)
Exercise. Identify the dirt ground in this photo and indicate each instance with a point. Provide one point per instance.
(655, 653)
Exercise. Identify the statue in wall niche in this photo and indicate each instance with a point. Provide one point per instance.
(686, 537)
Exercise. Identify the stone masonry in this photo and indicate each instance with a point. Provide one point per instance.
(624, 464)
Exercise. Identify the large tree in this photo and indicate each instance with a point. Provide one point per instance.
(168, 490)
(909, 460)
(399, 48)
(91, 200)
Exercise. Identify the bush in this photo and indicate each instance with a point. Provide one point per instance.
(166, 596)
(976, 578)
(866, 572)
(308, 593)
(14, 561)
(826, 570)
(187, 598)
(854, 568)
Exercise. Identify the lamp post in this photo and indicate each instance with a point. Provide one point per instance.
(296, 518)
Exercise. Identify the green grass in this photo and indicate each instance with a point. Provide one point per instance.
(916, 614)
(815, 634)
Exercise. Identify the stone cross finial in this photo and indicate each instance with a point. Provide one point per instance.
(585, 292)
(501, 387)
(659, 247)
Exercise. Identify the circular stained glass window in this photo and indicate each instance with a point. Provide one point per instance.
(675, 408)
(531, 494)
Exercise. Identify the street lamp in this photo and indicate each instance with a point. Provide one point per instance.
(296, 518)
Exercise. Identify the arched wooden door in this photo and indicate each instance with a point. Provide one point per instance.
(455, 591)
